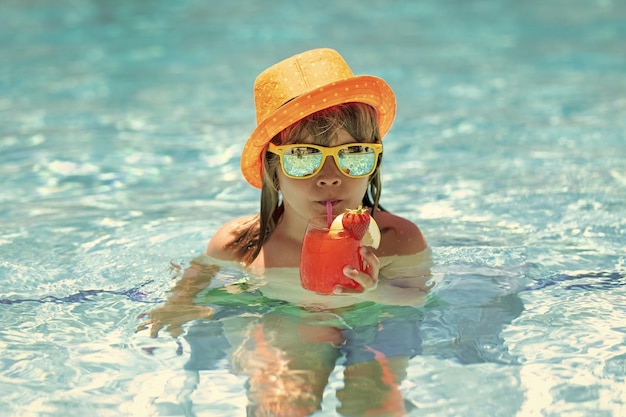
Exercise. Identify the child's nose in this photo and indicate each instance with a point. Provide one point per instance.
(329, 175)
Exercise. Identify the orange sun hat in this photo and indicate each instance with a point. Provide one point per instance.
(302, 85)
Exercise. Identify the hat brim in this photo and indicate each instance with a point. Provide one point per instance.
(359, 89)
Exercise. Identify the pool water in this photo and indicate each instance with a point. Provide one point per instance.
(122, 124)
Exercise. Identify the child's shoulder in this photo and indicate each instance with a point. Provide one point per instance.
(399, 236)
(231, 237)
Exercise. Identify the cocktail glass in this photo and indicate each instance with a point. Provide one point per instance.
(325, 252)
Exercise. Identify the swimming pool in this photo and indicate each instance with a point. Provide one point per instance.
(122, 127)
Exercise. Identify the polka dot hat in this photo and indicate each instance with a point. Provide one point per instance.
(304, 84)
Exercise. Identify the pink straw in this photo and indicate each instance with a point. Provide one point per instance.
(329, 212)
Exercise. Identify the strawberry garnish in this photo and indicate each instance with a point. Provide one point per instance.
(356, 222)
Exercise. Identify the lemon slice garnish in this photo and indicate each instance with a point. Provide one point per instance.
(337, 224)
(371, 237)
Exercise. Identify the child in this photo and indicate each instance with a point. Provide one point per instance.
(314, 99)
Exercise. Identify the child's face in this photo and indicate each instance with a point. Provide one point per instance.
(307, 197)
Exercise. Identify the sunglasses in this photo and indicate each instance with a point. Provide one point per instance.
(354, 160)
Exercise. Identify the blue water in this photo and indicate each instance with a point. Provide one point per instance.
(122, 123)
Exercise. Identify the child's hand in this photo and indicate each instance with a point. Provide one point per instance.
(367, 279)
(172, 316)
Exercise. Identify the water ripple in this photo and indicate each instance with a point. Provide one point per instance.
(590, 281)
(82, 296)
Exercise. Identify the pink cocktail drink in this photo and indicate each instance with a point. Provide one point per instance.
(324, 255)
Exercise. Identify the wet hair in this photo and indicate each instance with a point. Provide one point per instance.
(358, 119)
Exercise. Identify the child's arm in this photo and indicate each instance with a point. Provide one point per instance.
(400, 279)
(404, 280)
(179, 307)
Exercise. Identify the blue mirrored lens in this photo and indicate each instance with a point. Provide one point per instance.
(302, 161)
(357, 160)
